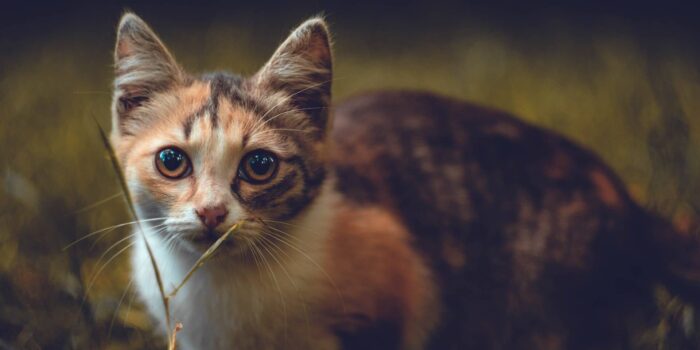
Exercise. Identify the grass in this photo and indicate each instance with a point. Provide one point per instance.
(631, 98)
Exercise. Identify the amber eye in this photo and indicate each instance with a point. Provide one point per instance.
(258, 166)
(173, 163)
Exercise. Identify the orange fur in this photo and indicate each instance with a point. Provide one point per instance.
(605, 189)
(380, 276)
(507, 130)
(454, 253)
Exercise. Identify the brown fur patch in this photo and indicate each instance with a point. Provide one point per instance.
(509, 130)
(559, 166)
(683, 222)
(549, 342)
(169, 110)
(235, 116)
(379, 275)
(191, 98)
(454, 253)
(605, 189)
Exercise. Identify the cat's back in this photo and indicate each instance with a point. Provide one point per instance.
(450, 153)
(524, 231)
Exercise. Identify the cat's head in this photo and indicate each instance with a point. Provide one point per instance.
(201, 153)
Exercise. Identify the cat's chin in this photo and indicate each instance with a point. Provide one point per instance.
(202, 241)
(208, 238)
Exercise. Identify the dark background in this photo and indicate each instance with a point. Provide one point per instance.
(618, 77)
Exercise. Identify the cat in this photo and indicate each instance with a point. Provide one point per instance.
(394, 220)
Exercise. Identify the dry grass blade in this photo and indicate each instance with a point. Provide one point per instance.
(205, 256)
(172, 345)
(132, 209)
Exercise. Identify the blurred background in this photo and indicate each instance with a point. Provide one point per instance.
(621, 78)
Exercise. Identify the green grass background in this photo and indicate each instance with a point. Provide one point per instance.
(630, 93)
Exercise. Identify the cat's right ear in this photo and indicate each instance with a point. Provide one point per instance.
(143, 67)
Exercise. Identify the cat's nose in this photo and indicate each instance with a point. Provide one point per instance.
(212, 216)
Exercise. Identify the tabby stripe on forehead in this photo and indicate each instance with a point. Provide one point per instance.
(229, 87)
(244, 141)
(189, 122)
(220, 85)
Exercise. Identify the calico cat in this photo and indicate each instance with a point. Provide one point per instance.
(400, 220)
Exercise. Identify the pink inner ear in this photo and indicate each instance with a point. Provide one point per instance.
(123, 49)
(318, 49)
(311, 42)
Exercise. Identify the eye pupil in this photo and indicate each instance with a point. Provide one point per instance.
(171, 159)
(173, 163)
(260, 164)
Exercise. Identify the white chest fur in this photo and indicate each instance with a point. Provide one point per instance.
(273, 304)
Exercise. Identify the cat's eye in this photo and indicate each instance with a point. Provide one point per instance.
(173, 163)
(258, 166)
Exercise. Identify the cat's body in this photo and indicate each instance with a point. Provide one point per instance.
(410, 221)
(532, 241)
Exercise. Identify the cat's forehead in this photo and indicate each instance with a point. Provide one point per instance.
(216, 108)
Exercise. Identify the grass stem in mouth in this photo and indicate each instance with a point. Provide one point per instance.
(204, 257)
(172, 341)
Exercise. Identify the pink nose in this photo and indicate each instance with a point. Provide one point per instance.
(212, 216)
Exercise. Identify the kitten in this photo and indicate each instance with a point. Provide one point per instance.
(416, 221)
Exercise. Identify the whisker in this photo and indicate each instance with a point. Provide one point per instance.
(109, 228)
(286, 98)
(171, 242)
(272, 255)
(280, 222)
(288, 235)
(168, 241)
(305, 229)
(128, 308)
(274, 246)
(104, 234)
(98, 203)
(277, 285)
(291, 245)
(114, 245)
(254, 254)
(116, 312)
(94, 278)
(282, 129)
(91, 92)
(266, 122)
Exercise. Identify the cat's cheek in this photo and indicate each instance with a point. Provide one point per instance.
(236, 214)
(153, 195)
(146, 205)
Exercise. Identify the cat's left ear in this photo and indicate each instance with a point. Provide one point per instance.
(143, 67)
(302, 68)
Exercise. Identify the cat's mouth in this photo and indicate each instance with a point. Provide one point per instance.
(201, 239)
(208, 237)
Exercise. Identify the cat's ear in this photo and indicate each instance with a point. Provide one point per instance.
(302, 69)
(143, 67)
